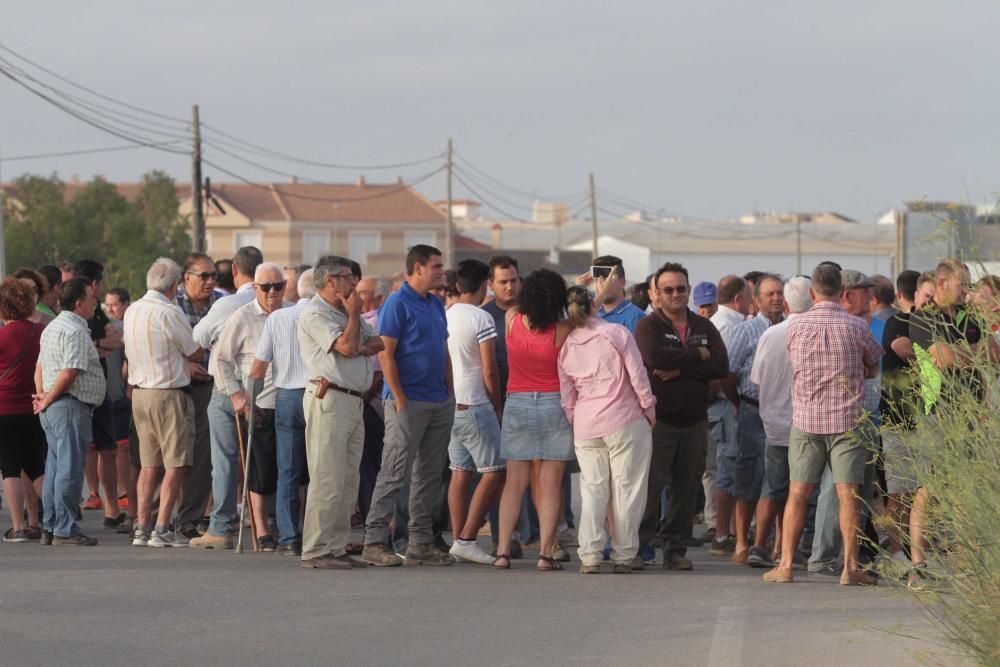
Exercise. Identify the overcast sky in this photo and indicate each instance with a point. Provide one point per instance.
(695, 107)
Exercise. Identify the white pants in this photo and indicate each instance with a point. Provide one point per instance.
(615, 468)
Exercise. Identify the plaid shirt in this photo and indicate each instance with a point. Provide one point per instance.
(192, 313)
(743, 339)
(65, 343)
(279, 346)
(829, 350)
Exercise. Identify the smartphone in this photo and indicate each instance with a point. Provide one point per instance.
(601, 271)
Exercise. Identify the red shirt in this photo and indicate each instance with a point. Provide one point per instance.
(18, 385)
(532, 357)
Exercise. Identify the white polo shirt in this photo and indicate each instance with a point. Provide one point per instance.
(772, 372)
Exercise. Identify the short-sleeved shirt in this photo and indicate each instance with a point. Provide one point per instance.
(725, 319)
(158, 342)
(895, 406)
(742, 346)
(419, 326)
(499, 314)
(66, 343)
(320, 325)
(626, 314)
(279, 346)
(931, 325)
(116, 363)
(19, 342)
(772, 373)
(830, 350)
(468, 327)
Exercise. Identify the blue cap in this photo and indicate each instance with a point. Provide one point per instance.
(704, 293)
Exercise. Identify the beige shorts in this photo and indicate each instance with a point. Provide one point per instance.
(809, 453)
(164, 422)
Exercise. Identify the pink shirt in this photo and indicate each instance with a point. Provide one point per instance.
(602, 381)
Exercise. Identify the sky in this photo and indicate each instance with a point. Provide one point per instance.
(689, 107)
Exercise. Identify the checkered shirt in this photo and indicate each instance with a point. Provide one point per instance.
(233, 354)
(193, 313)
(829, 350)
(65, 343)
(279, 346)
(743, 339)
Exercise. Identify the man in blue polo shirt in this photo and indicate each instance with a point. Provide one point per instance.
(614, 307)
(419, 411)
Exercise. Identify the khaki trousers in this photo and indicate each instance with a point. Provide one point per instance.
(335, 436)
(614, 467)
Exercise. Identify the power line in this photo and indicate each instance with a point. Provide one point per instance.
(487, 202)
(394, 189)
(85, 151)
(485, 188)
(531, 195)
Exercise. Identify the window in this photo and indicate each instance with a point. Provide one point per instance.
(243, 239)
(412, 238)
(314, 246)
(361, 244)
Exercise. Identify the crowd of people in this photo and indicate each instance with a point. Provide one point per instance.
(321, 400)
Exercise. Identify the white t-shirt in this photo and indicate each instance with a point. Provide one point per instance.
(725, 319)
(468, 326)
(772, 373)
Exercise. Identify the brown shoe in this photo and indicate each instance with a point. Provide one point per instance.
(380, 555)
(675, 561)
(328, 562)
(353, 561)
(622, 568)
(778, 576)
(857, 578)
(426, 554)
(740, 557)
(210, 541)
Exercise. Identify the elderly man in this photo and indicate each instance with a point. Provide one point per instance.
(831, 352)
(159, 345)
(337, 346)
(196, 300)
(292, 274)
(232, 360)
(741, 470)
(279, 347)
(771, 371)
(373, 292)
(70, 384)
(221, 419)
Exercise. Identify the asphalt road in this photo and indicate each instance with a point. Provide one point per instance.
(120, 605)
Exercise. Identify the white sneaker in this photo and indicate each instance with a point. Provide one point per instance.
(168, 538)
(471, 553)
(140, 538)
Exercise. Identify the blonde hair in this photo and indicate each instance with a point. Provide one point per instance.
(579, 306)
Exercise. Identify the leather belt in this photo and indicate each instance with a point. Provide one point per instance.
(462, 406)
(752, 401)
(324, 384)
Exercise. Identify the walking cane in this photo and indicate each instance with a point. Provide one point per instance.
(256, 386)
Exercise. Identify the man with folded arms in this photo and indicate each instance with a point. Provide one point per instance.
(337, 346)
(832, 352)
(158, 345)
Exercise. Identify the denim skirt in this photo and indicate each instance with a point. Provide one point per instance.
(535, 427)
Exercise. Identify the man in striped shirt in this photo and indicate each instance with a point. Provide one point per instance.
(832, 352)
(279, 347)
(159, 345)
(232, 359)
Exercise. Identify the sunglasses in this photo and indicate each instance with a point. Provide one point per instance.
(208, 275)
(267, 287)
(680, 289)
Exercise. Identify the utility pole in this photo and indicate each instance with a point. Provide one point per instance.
(198, 216)
(3, 248)
(798, 246)
(593, 212)
(449, 232)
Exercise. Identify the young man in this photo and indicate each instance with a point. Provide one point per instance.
(116, 302)
(475, 435)
(683, 353)
(610, 290)
(419, 411)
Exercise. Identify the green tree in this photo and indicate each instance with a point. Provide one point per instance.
(33, 211)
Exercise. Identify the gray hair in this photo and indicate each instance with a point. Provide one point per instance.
(327, 266)
(297, 268)
(306, 284)
(163, 274)
(797, 294)
(267, 266)
(381, 287)
(826, 280)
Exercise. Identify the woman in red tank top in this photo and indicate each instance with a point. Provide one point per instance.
(536, 438)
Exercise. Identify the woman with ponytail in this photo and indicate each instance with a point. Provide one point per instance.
(606, 396)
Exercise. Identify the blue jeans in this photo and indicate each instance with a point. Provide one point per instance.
(67, 425)
(225, 460)
(290, 428)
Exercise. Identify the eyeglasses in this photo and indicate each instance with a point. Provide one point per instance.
(680, 289)
(207, 275)
(267, 287)
(346, 276)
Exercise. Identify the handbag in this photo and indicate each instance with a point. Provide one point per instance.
(20, 355)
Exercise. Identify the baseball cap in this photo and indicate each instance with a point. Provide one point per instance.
(852, 279)
(704, 293)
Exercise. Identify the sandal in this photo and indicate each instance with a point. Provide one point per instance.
(502, 557)
(552, 564)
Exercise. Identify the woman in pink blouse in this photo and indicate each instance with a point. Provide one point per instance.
(605, 393)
